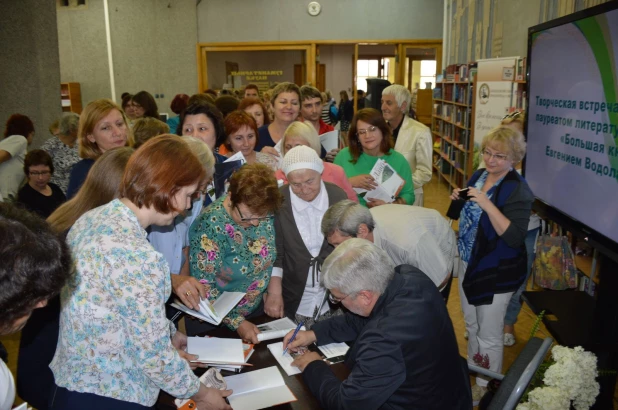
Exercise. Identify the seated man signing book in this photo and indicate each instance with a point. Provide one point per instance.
(404, 354)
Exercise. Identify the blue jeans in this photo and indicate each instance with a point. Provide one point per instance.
(512, 310)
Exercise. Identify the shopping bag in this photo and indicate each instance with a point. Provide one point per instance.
(554, 264)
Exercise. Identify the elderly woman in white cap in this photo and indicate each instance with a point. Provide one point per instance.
(294, 290)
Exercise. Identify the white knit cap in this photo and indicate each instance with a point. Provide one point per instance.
(301, 157)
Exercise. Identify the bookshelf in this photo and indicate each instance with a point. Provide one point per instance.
(452, 128)
(71, 97)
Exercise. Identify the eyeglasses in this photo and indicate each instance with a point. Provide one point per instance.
(498, 157)
(371, 129)
(41, 173)
(335, 300)
(513, 115)
(253, 218)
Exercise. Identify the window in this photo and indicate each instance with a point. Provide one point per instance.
(371, 68)
(428, 73)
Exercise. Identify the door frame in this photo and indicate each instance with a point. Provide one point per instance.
(310, 49)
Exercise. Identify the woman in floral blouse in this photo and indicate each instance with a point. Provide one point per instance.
(232, 246)
(116, 349)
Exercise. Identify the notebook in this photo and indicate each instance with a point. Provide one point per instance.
(214, 349)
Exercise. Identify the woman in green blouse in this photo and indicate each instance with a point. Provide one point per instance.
(370, 139)
(233, 246)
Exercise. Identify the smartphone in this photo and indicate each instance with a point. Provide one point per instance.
(463, 194)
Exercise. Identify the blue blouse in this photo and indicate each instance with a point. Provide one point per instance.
(469, 220)
(115, 340)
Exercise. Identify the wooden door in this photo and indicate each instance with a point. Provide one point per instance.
(321, 77)
(299, 74)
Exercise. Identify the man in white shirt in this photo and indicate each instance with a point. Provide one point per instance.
(410, 235)
(35, 266)
(412, 139)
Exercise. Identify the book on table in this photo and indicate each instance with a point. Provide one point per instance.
(213, 312)
(332, 353)
(276, 329)
(258, 389)
(216, 351)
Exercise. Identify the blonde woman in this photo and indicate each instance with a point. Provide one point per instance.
(286, 106)
(102, 126)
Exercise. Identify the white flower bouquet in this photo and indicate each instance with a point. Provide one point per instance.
(570, 380)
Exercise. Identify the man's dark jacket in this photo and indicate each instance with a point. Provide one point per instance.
(405, 355)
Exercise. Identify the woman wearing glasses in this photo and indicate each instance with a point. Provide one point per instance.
(232, 246)
(295, 289)
(39, 195)
(492, 230)
(370, 139)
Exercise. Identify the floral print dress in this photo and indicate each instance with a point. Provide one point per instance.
(227, 257)
(115, 340)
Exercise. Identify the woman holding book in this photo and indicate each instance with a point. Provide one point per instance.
(232, 246)
(370, 139)
(295, 289)
(116, 349)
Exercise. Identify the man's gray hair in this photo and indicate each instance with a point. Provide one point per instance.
(355, 265)
(400, 93)
(346, 216)
(68, 124)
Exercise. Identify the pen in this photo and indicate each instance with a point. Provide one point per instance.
(292, 338)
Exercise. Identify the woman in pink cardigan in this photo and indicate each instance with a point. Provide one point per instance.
(300, 133)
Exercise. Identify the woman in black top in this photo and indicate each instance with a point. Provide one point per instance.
(39, 195)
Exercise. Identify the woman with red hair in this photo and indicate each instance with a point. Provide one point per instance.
(18, 135)
(242, 136)
(116, 349)
(256, 109)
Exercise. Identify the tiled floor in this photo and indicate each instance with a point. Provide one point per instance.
(436, 196)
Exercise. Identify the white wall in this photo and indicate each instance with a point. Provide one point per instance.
(153, 48)
(280, 20)
(29, 73)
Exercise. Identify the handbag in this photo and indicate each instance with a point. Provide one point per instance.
(554, 264)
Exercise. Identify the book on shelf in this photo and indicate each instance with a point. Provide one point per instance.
(212, 312)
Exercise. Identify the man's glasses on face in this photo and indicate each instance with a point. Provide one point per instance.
(253, 218)
(334, 300)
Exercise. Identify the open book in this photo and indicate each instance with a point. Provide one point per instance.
(333, 353)
(276, 329)
(213, 312)
(258, 389)
(389, 183)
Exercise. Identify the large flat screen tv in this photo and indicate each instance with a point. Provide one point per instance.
(572, 123)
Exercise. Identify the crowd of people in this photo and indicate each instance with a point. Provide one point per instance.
(133, 220)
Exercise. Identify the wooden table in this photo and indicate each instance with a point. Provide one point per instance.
(260, 359)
